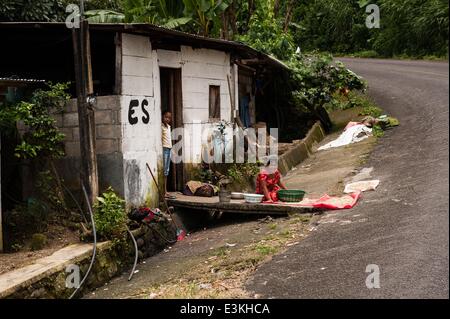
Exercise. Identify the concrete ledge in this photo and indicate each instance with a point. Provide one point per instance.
(212, 204)
(46, 277)
(23, 278)
(301, 150)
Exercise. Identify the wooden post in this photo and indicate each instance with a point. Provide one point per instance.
(1, 224)
(86, 120)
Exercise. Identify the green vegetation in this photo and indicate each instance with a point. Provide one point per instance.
(408, 28)
(25, 220)
(413, 28)
(366, 107)
(377, 131)
(42, 138)
(37, 145)
(32, 10)
(241, 173)
(265, 249)
(41, 141)
(38, 241)
(109, 216)
(344, 101)
(373, 111)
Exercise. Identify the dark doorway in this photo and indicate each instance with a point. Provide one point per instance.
(171, 100)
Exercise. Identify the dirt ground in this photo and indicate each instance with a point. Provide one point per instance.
(57, 238)
(215, 262)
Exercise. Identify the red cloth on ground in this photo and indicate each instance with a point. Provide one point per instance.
(328, 202)
(332, 202)
(272, 182)
(350, 124)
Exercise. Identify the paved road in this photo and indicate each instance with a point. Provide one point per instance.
(403, 226)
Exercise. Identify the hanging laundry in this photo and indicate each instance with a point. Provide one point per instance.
(244, 112)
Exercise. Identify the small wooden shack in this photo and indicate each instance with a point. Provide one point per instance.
(139, 71)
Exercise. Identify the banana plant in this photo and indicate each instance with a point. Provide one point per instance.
(205, 14)
(104, 16)
(167, 13)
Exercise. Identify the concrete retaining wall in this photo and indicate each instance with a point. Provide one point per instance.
(301, 150)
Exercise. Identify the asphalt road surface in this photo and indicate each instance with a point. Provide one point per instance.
(403, 226)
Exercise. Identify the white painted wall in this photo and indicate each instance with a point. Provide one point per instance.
(141, 141)
(200, 68)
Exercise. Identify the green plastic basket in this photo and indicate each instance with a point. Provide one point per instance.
(291, 195)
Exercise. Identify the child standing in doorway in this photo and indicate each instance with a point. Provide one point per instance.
(167, 145)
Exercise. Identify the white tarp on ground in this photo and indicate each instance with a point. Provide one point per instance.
(361, 186)
(351, 135)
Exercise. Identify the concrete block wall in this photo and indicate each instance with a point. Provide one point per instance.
(140, 120)
(108, 143)
(128, 126)
(107, 126)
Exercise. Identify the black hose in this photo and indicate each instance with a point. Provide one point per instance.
(95, 243)
(136, 253)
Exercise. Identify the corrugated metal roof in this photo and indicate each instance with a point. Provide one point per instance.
(20, 80)
(159, 33)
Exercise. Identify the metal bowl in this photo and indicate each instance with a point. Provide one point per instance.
(236, 195)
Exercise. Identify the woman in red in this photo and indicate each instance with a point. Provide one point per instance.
(268, 182)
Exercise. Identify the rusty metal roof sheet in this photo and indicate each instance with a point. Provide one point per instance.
(20, 80)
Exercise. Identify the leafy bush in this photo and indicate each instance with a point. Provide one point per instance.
(42, 138)
(24, 220)
(373, 111)
(38, 241)
(32, 10)
(318, 79)
(33, 215)
(411, 27)
(353, 99)
(266, 33)
(109, 216)
(377, 131)
(241, 173)
(202, 174)
(48, 190)
(365, 54)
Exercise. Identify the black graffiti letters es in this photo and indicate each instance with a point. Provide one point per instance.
(146, 117)
(132, 118)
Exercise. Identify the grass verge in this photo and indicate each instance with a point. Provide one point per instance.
(223, 271)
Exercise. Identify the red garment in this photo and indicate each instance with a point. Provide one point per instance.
(272, 182)
(350, 124)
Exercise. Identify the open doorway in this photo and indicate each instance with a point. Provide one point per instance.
(171, 100)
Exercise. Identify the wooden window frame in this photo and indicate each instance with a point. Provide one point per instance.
(214, 111)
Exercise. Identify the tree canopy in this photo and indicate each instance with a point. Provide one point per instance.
(408, 27)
